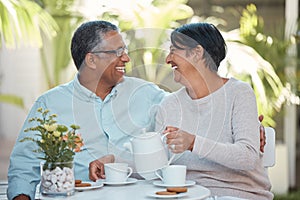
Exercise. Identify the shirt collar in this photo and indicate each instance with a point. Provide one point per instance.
(85, 94)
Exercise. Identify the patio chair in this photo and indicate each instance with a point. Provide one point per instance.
(269, 153)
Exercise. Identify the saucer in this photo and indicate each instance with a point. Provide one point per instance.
(129, 181)
(94, 185)
(162, 184)
(152, 194)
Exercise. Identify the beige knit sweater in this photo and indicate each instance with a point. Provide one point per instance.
(225, 157)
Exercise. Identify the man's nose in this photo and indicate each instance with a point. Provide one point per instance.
(125, 57)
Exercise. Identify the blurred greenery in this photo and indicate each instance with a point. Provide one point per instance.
(251, 65)
(56, 54)
(277, 87)
(146, 26)
(293, 195)
(23, 22)
(12, 99)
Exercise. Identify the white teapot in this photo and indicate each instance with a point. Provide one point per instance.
(149, 153)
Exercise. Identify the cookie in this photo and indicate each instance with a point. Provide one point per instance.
(177, 189)
(83, 185)
(78, 181)
(165, 193)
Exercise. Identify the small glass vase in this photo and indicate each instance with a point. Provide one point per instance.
(57, 179)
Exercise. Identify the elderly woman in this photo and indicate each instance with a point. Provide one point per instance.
(212, 121)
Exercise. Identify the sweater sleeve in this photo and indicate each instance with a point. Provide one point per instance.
(243, 152)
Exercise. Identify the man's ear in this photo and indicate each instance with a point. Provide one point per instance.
(90, 60)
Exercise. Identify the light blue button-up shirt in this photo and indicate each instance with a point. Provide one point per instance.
(105, 127)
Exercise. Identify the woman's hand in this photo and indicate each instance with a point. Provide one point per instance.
(179, 140)
(96, 167)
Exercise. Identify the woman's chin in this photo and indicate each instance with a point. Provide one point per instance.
(177, 80)
(176, 77)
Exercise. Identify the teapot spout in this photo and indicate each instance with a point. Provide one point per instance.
(128, 146)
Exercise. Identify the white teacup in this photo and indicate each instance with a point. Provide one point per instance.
(173, 175)
(117, 172)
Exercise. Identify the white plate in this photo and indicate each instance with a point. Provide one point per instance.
(129, 181)
(94, 185)
(152, 194)
(187, 183)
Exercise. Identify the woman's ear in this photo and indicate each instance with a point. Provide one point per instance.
(198, 53)
(90, 60)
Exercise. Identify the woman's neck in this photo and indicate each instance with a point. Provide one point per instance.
(203, 86)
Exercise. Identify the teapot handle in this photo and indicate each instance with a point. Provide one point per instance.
(127, 145)
(158, 175)
(130, 172)
(173, 156)
(163, 136)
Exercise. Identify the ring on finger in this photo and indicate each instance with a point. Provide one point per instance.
(172, 146)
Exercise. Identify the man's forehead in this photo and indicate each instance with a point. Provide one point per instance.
(112, 38)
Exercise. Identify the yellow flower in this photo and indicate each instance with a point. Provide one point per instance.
(56, 133)
(51, 127)
(55, 136)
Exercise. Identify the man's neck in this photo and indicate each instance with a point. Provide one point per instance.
(100, 88)
(102, 91)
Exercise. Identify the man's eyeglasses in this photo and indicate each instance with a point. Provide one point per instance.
(119, 52)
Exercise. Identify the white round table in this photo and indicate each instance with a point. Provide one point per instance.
(135, 191)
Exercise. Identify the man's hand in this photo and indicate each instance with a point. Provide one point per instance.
(96, 167)
(262, 134)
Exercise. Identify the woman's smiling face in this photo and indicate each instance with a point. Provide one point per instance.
(181, 61)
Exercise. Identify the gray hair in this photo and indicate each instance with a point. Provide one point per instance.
(88, 36)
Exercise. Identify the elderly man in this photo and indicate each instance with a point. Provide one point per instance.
(107, 106)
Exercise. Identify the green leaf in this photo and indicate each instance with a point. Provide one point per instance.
(62, 128)
(12, 99)
(75, 127)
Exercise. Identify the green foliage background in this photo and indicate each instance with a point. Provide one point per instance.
(153, 22)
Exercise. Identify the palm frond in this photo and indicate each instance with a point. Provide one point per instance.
(23, 21)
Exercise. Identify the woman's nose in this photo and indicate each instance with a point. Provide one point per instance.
(168, 59)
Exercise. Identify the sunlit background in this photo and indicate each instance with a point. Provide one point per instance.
(263, 39)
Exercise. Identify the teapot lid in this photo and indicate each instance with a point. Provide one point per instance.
(145, 136)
